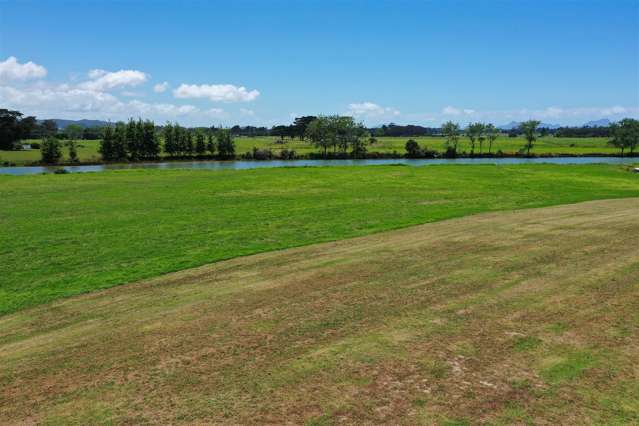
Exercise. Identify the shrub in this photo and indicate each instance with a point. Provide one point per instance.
(50, 150)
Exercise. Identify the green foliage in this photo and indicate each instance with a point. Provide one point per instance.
(73, 150)
(225, 144)
(475, 132)
(200, 144)
(451, 132)
(337, 132)
(491, 133)
(50, 150)
(625, 135)
(141, 223)
(529, 129)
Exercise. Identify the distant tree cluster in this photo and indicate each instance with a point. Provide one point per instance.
(135, 140)
(409, 130)
(339, 134)
(14, 127)
(182, 142)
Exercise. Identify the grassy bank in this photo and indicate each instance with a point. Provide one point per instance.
(525, 317)
(67, 234)
(88, 150)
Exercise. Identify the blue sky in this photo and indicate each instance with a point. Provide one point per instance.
(251, 62)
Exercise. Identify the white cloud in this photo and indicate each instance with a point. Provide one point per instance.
(451, 110)
(11, 69)
(161, 87)
(216, 92)
(101, 80)
(248, 112)
(370, 109)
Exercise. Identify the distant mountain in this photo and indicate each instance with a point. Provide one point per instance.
(515, 124)
(604, 122)
(82, 123)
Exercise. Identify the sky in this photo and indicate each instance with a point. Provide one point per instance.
(265, 62)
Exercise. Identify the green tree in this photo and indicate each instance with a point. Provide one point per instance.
(450, 131)
(210, 144)
(317, 133)
(413, 150)
(491, 134)
(150, 142)
(119, 142)
(170, 145)
(73, 133)
(50, 150)
(200, 144)
(225, 144)
(475, 131)
(106, 144)
(625, 135)
(529, 130)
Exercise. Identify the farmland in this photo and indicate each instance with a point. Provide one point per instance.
(499, 318)
(64, 235)
(88, 149)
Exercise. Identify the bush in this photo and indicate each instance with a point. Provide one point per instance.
(50, 150)
(450, 152)
(287, 154)
(35, 145)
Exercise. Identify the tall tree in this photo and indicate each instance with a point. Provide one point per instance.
(301, 123)
(170, 145)
(106, 144)
(491, 134)
(210, 144)
(450, 131)
(529, 130)
(200, 144)
(225, 144)
(119, 142)
(475, 131)
(150, 141)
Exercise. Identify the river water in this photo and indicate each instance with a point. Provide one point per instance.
(243, 165)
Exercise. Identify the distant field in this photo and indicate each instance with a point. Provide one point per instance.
(67, 234)
(509, 318)
(88, 150)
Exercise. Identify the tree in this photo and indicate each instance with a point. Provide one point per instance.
(301, 124)
(150, 142)
(491, 134)
(200, 144)
(225, 144)
(529, 129)
(119, 142)
(450, 130)
(49, 128)
(317, 132)
(475, 132)
(50, 150)
(170, 145)
(13, 128)
(73, 132)
(210, 144)
(106, 144)
(413, 150)
(625, 135)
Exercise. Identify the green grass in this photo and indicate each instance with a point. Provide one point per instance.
(67, 234)
(453, 322)
(88, 150)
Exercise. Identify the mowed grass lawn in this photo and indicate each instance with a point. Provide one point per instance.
(62, 235)
(504, 318)
(88, 150)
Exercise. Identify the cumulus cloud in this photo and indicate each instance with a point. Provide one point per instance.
(161, 87)
(370, 109)
(216, 92)
(11, 69)
(101, 80)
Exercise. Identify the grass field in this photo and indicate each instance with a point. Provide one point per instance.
(527, 317)
(63, 235)
(88, 150)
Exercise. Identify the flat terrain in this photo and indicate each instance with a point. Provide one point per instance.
(505, 318)
(62, 235)
(88, 150)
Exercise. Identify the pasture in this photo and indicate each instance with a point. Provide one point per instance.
(62, 235)
(499, 318)
(88, 149)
